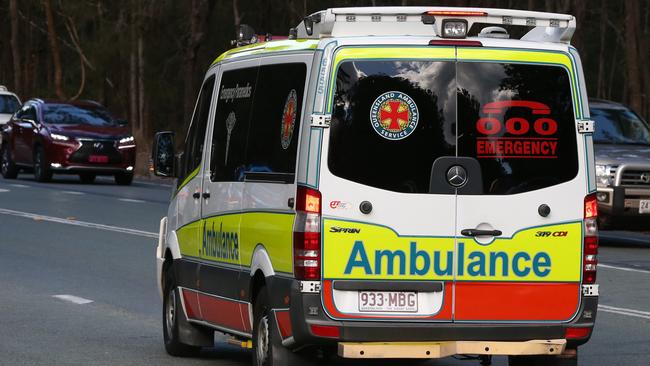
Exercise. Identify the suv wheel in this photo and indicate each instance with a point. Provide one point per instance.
(124, 179)
(87, 178)
(42, 172)
(8, 167)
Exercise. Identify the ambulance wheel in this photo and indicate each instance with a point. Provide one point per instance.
(9, 168)
(542, 361)
(267, 342)
(171, 316)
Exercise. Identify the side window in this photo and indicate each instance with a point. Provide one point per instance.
(236, 94)
(275, 121)
(30, 113)
(196, 135)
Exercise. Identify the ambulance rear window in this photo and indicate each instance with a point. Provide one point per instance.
(392, 119)
(517, 120)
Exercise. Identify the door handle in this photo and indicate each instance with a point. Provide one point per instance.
(206, 195)
(196, 195)
(476, 232)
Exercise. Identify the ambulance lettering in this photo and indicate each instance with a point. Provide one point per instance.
(220, 244)
(472, 264)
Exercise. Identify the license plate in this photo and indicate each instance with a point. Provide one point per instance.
(98, 159)
(388, 301)
(644, 206)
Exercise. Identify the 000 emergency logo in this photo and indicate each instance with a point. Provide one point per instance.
(394, 115)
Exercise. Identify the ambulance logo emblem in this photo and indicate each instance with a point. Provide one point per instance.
(394, 115)
(288, 119)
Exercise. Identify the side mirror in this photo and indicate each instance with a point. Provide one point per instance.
(163, 154)
(122, 122)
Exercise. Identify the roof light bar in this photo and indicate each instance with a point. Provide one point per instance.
(458, 13)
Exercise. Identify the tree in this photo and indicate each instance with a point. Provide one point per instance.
(54, 49)
(15, 50)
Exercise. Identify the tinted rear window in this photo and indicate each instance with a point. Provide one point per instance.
(393, 119)
(518, 122)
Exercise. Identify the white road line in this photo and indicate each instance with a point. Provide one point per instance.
(91, 225)
(625, 239)
(626, 269)
(624, 311)
(130, 200)
(19, 185)
(2, 190)
(73, 299)
(73, 192)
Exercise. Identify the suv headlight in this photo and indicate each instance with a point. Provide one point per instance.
(57, 137)
(603, 175)
(126, 142)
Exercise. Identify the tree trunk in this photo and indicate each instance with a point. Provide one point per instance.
(54, 48)
(632, 55)
(199, 14)
(15, 50)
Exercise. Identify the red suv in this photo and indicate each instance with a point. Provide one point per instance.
(81, 137)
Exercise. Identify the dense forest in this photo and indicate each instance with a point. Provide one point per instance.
(144, 59)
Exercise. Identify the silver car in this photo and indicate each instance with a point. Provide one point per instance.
(622, 145)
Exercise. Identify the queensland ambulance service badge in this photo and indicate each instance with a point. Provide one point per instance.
(394, 115)
(288, 119)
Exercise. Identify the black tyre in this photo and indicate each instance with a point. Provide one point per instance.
(267, 342)
(542, 361)
(42, 172)
(8, 168)
(171, 316)
(124, 179)
(87, 178)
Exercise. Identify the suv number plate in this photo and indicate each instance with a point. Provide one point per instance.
(388, 301)
(98, 159)
(644, 206)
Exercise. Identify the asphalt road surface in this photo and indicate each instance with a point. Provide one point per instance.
(77, 293)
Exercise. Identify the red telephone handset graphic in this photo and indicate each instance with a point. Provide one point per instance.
(516, 125)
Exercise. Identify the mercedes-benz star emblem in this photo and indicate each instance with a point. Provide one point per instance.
(645, 177)
(457, 176)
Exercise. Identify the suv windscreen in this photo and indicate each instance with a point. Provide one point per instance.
(65, 114)
(8, 104)
(393, 119)
(619, 126)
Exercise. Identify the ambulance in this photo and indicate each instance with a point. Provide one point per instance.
(388, 182)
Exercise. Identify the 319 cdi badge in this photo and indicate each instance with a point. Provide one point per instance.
(82, 138)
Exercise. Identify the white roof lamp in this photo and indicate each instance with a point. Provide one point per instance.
(3, 88)
(444, 22)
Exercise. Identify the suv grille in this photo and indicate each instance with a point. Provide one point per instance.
(96, 147)
(635, 177)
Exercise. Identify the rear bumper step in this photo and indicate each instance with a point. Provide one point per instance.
(449, 348)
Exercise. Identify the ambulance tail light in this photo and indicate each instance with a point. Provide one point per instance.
(306, 235)
(590, 260)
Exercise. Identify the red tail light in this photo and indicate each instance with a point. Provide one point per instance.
(590, 260)
(306, 235)
(577, 333)
(328, 331)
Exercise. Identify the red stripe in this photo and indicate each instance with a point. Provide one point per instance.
(191, 301)
(515, 301)
(443, 314)
(219, 311)
(284, 323)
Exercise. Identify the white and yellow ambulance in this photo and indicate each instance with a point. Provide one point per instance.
(389, 182)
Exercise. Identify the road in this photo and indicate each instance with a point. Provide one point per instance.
(49, 246)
